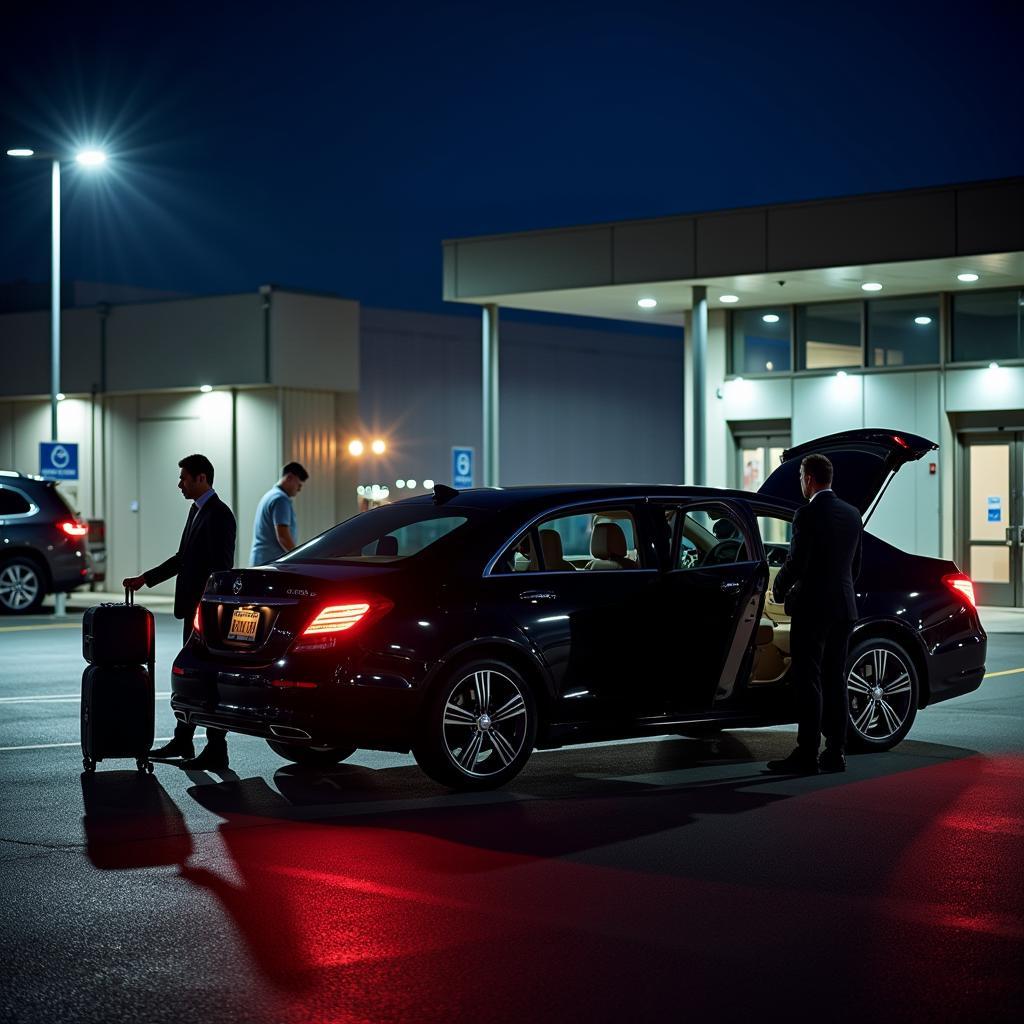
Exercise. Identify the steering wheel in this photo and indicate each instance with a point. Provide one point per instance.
(724, 551)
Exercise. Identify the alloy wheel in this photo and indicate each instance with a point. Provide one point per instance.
(19, 586)
(881, 693)
(485, 723)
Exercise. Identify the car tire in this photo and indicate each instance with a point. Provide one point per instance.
(311, 757)
(882, 688)
(479, 726)
(22, 586)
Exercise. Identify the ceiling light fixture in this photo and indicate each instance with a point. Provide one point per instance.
(924, 321)
(206, 388)
(730, 298)
(968, 277)
(870, 286)
(647, 303)
(771, 318)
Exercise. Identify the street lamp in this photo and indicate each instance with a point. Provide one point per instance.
(86, 158)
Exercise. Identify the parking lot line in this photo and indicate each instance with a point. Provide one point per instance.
(1004, 672)
(46, 625)
(57, 698)
(77, 743)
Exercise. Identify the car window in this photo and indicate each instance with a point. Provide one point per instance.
(589, 541)
(386, 534)
(776, 534)
(520, 555)
(707, 537)
(13, 503)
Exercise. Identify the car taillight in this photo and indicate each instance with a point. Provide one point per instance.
(960, 583)
(197, 620)
(900, 441)
(73, 528)
(340, 618)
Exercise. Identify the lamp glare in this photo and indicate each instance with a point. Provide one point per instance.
(378, 447)
(21, 152)
(355, 447)
(91, 157)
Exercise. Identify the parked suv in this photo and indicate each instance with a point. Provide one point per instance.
(43, 543)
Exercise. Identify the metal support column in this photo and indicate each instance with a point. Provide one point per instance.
(59, 600)
(490, 389)
(699, 343)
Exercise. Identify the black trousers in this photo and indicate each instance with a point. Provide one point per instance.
(818, 648)
(184, 731)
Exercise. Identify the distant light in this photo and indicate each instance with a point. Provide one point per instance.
(870, 286)
(399, 484)
(206, 388)
(411, 484)
(378, 447)
(21, 152)
(993, 366)
(730, 298)
(360, 490)
(61, 396)
(841, 374)
(924, 321)
(647, 303)
(771, 318)
(355, 447)
(769, 366)
(428, 484)
(967, 277)
(739, 380)
(91, 157)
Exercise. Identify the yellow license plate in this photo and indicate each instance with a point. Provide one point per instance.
(243, 624)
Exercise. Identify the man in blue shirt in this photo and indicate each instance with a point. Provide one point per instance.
(274, 529)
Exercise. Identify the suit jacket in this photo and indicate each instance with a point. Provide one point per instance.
(824, 559)
(207, 545)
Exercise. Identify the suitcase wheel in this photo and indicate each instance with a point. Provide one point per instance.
(89, 764)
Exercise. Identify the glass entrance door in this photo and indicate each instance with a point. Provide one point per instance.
(758, 457)
(993, 519)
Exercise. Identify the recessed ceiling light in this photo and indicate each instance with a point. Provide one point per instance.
(967, 277)
(993, 366)
(647, 303)
(206, 388)
(771, 318)
(870, 286)
(841, 374)
(400, 484)
(922, 320)
(730, 298)
(61, 396)
(769, 366)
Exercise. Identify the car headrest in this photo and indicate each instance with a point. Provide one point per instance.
(724, 529)
(608, 542)
(387, 545)
(551, 547)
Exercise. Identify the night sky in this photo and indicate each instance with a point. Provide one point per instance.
(333, 147)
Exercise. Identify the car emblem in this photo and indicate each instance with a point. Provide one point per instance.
(236, 587)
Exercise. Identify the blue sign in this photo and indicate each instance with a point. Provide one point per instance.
(995, 515)
(462, 468)
(58, 460)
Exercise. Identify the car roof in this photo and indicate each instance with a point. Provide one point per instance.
(9, 475)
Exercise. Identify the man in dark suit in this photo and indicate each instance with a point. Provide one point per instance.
(817, 585)
(207, 545)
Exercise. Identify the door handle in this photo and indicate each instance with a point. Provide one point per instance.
(730, 587)
(1014, 535)
(538, 595)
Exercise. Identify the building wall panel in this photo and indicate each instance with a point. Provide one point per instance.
(309, 437)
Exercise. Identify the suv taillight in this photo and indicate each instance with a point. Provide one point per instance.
(73, 528)
(960, 583)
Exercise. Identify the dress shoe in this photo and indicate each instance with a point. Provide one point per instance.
(832, 761)
(798, 763)
(176, 748)
(214, 758)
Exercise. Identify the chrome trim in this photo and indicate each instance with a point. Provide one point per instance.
(33, 508)
(287, 732)
(267, 602)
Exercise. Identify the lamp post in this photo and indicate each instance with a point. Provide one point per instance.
(86, 158)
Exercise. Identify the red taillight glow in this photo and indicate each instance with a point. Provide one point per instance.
(336, 618)
(960, 583)
(292, 684)
(900, 441)
(73, 528)
(197, 619)
(176, 671)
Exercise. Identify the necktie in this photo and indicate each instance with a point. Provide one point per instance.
(192, 513)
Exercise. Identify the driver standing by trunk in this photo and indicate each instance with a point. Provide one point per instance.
(817, 585)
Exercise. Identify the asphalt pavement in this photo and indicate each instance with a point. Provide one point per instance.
(607, 882)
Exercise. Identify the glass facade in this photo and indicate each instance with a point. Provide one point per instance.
(828, 335)
(761, 340)
(987, 325)
(903, 332)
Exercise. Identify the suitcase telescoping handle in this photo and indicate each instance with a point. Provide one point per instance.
(129, 595)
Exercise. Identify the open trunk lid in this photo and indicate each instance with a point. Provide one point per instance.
(864, 461)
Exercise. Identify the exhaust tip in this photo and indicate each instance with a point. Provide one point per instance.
(181, 716)
(287, 732)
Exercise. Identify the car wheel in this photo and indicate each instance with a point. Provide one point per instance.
(21, 586)
(479, 727)
(882, 686)
(311, 757)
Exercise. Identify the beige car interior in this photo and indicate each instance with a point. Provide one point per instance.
(608, 548)
(771, 655)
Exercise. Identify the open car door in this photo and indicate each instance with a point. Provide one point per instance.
(863, 461)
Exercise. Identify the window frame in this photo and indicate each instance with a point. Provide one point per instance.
(685, 504)
(33, 506)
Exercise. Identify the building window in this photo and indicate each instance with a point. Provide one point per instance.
(828, 335)
(903, 332)
(987, 325)
(761, 340)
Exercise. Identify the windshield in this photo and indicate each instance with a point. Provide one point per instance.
(386, 534)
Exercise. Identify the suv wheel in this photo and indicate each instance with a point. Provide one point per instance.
(881, 683)
(479, 727)
(21, 586)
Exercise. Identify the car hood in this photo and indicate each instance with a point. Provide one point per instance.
(864, 461)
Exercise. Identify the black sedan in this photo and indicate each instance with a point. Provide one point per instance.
(473, 627)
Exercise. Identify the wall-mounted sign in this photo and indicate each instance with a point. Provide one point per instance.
(58, 460)
(462, 468)
(995, 508)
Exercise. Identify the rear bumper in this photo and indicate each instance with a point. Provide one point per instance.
(956, 667)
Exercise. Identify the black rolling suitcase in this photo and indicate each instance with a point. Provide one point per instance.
(117, 692)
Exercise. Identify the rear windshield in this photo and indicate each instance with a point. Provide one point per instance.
(384, 535)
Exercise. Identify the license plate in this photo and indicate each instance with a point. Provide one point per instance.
(243, 624)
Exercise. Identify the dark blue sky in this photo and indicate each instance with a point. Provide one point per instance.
(332, 147)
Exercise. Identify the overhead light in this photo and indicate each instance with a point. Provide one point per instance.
(61, 396)
(739, 380)
(841, 374)
(428, 484)
(967, 277)
(377, 446)
(400, 484)
(91, 157)
(769, 366)
(924, 321)
(870, 286)
(647, 303)
(993, 366)
(360, 490)
(730, 298)
(771, 318)
(411, 484)
(355, 447)
(21, 152)
(206, 388)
